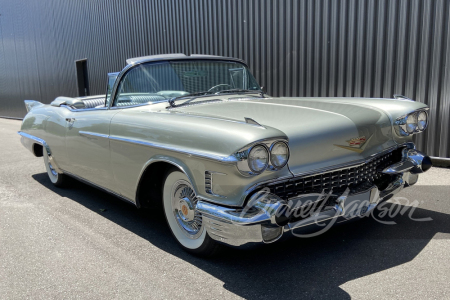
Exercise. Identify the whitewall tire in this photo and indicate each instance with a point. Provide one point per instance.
(185, 222)
(56, 178)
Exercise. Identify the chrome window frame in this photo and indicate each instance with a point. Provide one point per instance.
(149, 61)
(116, 74)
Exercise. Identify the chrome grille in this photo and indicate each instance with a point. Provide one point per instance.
(336, 180)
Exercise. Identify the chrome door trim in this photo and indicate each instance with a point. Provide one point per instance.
(88, 133)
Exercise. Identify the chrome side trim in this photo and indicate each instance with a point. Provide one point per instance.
(34, 138)
(223, 159)
(88, 133)
(44, 145)
(99, 187)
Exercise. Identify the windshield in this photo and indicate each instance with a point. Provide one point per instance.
(154, 82)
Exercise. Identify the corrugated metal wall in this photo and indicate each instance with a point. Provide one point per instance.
(370, 48)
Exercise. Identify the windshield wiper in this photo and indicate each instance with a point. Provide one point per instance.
(196, 94)
(241, 91)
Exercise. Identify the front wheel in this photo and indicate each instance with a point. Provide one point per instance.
(56, 178)
(184, 220)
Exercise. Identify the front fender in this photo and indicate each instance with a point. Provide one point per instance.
(173, 161)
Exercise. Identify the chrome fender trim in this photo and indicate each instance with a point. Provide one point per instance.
(41, 142)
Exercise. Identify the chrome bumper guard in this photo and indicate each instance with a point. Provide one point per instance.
(262, 221)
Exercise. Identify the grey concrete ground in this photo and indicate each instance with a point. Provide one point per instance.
(59, 243)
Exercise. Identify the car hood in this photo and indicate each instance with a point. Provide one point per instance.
(321, 132)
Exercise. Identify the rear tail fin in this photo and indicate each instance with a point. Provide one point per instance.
(30, 104)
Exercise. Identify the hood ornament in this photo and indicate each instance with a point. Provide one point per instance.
(357, 144)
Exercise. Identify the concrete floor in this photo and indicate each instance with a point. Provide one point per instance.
(83, 243)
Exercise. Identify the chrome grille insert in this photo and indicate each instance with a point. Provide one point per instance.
(336, 179)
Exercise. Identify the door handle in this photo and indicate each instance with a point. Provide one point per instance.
(70, 120)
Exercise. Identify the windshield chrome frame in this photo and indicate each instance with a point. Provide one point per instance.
(149, 61)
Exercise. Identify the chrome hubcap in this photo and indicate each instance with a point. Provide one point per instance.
(184, 204)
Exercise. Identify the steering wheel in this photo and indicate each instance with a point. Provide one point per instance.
(218, 86)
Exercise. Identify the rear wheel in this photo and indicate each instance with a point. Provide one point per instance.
(56, 178)
(184, 220)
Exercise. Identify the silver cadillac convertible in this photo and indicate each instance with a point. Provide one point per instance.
(229, 164)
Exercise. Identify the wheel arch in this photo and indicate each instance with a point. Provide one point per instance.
(154, 171)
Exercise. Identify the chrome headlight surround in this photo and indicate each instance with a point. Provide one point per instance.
(409, 124)
(250, 162)
(272, 147)
(242, 156)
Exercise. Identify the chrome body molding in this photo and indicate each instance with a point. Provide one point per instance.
(28, 140)
(222, 159)
(93, 134)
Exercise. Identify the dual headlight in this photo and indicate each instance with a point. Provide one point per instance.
(257, 158)
(412, 123)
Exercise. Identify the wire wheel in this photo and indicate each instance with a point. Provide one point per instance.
(184, 203)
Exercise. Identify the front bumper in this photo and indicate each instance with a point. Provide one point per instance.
(267, 217)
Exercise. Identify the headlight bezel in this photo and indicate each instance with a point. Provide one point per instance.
(274, 166)
(243, 155)
(413, 122)
(401, 123)
(426, 118)
(249, 151)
